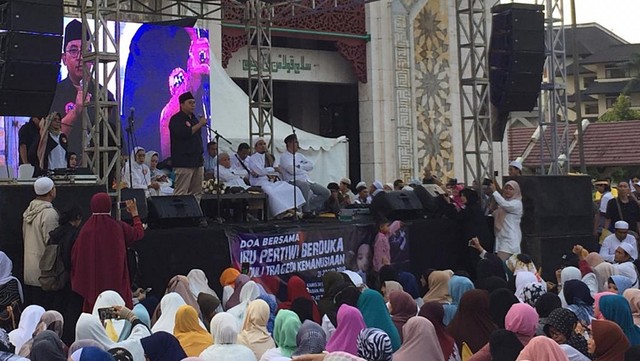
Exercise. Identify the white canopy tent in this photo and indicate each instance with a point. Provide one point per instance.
(230, 117)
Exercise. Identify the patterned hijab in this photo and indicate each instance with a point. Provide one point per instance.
(565, 322)
(374, 345)
(310, 339)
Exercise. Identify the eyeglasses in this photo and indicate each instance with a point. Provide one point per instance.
(74, 52)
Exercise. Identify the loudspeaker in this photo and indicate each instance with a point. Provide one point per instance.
(141, 201)
(29, 76)
(550, 252)
(38, 16)
(516, 59)
(396, 205)
(541, 196)
(25, 103)
(30, 47)
(174, 211)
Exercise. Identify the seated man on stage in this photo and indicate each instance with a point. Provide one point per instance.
(314, 194)
(228, 175)
(280, 194)
(210, 159)
(239, 161)
(137, 175)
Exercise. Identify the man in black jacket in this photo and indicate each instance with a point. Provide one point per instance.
(186, 147)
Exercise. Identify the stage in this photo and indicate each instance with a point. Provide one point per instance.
(163, 253)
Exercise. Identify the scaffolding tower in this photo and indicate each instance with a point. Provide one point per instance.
(473, 72)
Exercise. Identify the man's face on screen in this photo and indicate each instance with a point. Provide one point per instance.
(72, 58)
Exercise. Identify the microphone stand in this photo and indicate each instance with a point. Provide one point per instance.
(218, 136)
(295, 201)
(132, 143)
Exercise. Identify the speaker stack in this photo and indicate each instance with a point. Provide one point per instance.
(516, 59)
(30, 50)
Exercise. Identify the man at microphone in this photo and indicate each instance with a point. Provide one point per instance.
(186, 147)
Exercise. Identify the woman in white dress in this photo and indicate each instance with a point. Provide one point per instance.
(507, 219)
(151, 160)
(280, 193)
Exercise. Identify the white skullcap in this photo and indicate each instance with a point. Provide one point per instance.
(516, 164)
(377, 184)
(43, 185)
(626, 247)
(361, 184)
(622, 225)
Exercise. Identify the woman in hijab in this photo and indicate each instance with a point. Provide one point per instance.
(310, 339)
(162, 346)
(47, 346)
(500, 302)
(438, 287)
(388, 287)
(632, 295)
(472, 324)
(608, 342)
(208, 305)
(198, 283)
(284, 334)
(254, 332)
(402, 308)
(542, 348)
(333, 283)
(234, 299)
(165, 184)
(90, 354)
(10, 287)
(579, 300)
(79, 344)
(224, 328)
(504, 346)
(349, 325)
(374, 345)
(619, 284)
(560, 326)
(249, 292)
(303, 308)
(420, 342)
(491, 284)
(522, 320)
(227, 281)
(529, 287)
(116, 329)
(544, 306)
(192, 336)
(99, 255)
(90, 327)
(296, 287)
(273, 309)
(567, 274)
(375, 314)
(28, 321)
(507, 219)
(603, 271)
(180, 285)
(50, 151)
(50, 320)
(596, 304)
(458, 285)
(434, 312)
(615, 308)
(169, 305)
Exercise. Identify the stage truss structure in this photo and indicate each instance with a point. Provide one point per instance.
(475, 104)
(553, 125)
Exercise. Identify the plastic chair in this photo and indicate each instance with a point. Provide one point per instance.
(25, 171)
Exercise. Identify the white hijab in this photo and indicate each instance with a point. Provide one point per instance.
(108, 299)
(6, 267)
(523, 279)
(225, 333)
(168, 307)
(198, 283)
(568, 274)
(89, 327)
(249, 292)
(28, 321)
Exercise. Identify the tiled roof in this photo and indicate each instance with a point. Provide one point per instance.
(613, 54)
(605, 144)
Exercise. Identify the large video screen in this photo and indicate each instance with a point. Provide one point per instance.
(157, 64)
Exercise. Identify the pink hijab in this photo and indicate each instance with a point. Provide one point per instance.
(499, 214)
(594, 259)
(350, 323)
(542, 348)
(521, 319)
(596, 304)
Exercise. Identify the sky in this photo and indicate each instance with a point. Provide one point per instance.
(619, 16)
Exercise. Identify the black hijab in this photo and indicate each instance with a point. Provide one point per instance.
(491, 284)
(47, 346)
(162, 346)
(500, 301)
(333, 283)
(547, 303)
(504, 346)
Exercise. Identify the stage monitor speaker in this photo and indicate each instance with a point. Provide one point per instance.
(141, 200)
(556, 205)
(25, 103)
(174, 211)
(396, 205)
(38, 16)
(516, 59)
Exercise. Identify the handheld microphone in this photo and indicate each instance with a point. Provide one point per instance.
(132, 111)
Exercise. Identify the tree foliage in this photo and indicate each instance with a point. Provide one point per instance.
(621, 111)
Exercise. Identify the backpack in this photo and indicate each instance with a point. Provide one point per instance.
(53, 275)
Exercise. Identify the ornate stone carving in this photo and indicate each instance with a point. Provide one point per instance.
(356, 53)
(232, 40)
